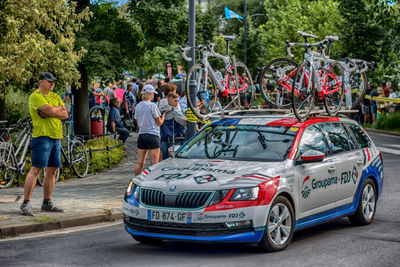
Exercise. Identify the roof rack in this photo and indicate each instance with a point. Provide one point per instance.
(270, 113)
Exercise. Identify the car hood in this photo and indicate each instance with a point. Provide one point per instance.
(175, 175)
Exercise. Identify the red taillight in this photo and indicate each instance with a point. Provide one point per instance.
(381, 156)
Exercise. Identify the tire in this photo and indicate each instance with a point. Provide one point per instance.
(334, 87)
(357, 94)
(366, 209)
(79, 158)
(147, 240)
(7, 163)
(245, 84)
(280, 223)
(303, 97)
(276, 80)
(206, 98)
(42, 174)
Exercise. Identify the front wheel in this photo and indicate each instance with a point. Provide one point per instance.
(79, 158)
(7, 170)
(42, 174)
(279, 227)
(245, 86)
(333, 87)
(303, 91)
(366, 210)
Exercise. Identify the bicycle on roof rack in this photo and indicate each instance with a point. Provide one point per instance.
(218, 91)
(318, 79)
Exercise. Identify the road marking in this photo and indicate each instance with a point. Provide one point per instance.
(392, 145)
(389, 150)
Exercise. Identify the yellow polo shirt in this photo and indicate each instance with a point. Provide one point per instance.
(51, 126)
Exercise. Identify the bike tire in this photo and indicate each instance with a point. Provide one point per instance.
(335, 88)
(206, 101)
(7, 171)
(79, 158)
(246, 85)
(303, 97)
(278, 74)
(42, 174)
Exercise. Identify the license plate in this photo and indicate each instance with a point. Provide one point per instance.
(169, 216)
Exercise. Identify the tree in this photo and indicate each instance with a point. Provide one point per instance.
(113, 43)
(37, 36)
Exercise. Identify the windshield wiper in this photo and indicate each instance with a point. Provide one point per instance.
(262, 140)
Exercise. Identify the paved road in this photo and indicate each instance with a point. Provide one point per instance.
(334, 244)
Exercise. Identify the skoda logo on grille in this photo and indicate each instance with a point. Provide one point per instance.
(172, 188)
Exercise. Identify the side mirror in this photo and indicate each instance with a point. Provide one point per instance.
(311, 156)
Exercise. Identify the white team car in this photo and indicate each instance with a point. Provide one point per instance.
(257, 181)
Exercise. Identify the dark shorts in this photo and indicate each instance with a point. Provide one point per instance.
(365, 110)
(46, 152)
(148, 141)
(374, 109)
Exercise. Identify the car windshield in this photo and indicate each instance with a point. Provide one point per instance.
(241, 142)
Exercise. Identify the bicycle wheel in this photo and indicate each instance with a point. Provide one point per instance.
(304, 92)
(205, 91)
(276, 80)
(358, 94)
(42, 174)
(245, 85)
(333, 86)
(79, 158)
(7, 163)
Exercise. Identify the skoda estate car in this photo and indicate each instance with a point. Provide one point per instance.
(257, 180)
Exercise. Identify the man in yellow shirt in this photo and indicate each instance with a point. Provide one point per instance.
(47, 110)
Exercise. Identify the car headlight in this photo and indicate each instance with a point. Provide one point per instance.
(132, 189)
(219, 196)
(243, 194)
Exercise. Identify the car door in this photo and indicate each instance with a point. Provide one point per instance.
(317, 184)
(347, 159)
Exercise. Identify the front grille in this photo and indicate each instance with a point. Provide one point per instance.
(190, 200)
(194, 229)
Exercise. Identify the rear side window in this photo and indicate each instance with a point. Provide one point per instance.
(338, 138)
(361, 138)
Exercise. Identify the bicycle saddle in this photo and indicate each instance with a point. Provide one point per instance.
(332, 37)
(228, 37)
(304, 34)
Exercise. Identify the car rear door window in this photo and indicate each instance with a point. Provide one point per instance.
(314, 139)
(338, 138)
(361, 138)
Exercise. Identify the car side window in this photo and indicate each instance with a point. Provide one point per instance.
(352, 141)
(314, 139)
(361, 138)
(337, 137)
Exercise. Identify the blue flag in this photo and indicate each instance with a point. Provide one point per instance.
(231, 15)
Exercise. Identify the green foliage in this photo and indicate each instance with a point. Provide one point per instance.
(390, 121)
(112, 41)
(16, 105)
(99, 160)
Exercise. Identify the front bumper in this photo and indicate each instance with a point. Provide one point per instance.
(202, 226)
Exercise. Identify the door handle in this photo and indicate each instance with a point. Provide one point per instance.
(359, 162)
(331, 169)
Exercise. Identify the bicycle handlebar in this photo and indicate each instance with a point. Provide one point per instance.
(183, 53)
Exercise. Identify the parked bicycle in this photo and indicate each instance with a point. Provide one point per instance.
(74, 153)
(317, 80)
(13, 153)
(216, 90)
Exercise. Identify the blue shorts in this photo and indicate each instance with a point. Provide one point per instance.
(46, 152)
(374, 109)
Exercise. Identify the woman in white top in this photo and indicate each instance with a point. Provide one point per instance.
(149, 120)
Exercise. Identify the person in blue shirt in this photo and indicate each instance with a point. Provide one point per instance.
(115, 124)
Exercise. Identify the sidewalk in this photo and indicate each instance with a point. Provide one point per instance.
(93, 199)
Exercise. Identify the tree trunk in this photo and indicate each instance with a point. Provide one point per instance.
(81, 103)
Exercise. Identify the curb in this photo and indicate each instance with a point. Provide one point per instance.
(381, 131)
(15, 230)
